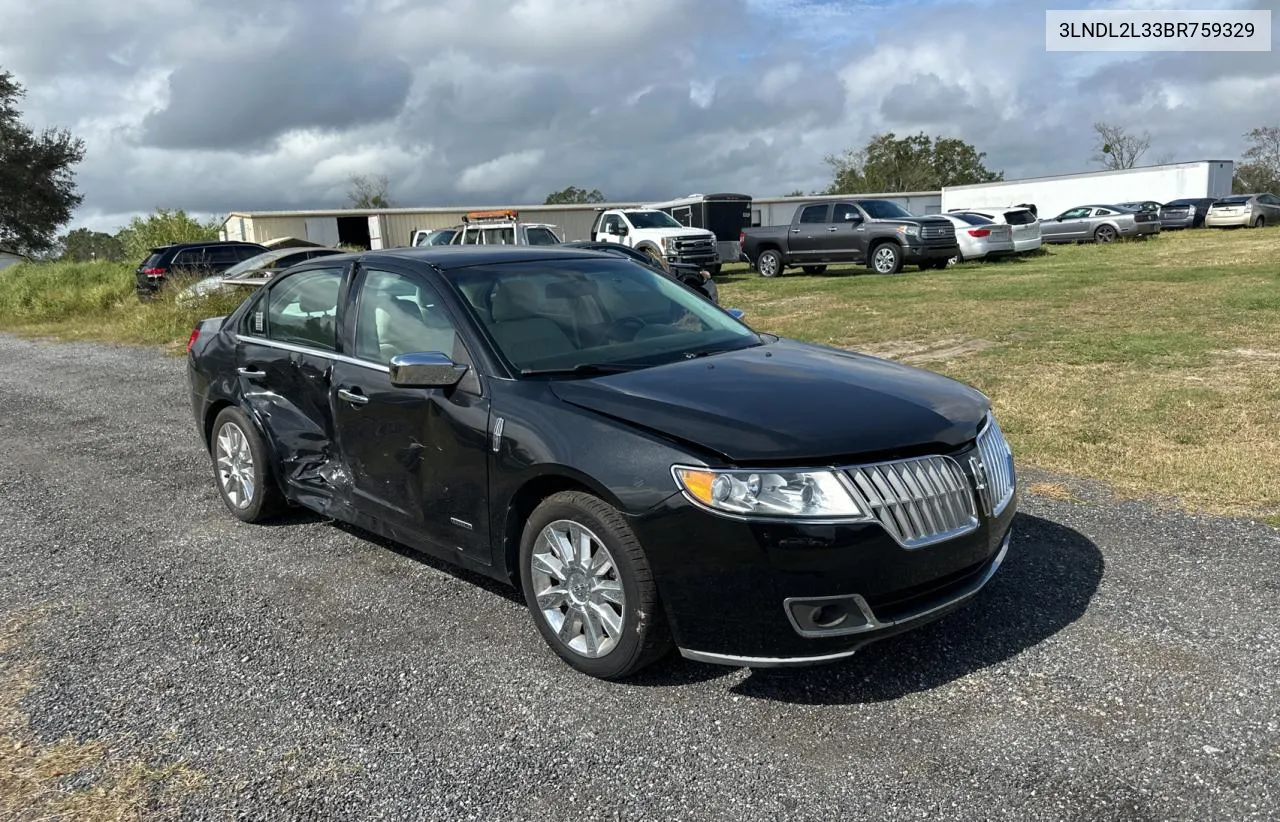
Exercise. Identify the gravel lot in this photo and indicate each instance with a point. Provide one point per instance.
(1124, 665)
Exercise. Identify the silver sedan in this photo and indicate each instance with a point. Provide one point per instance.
(1099, 223)
(1241, 210)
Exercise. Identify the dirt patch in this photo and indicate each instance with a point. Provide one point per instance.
(916, 351)
(69, 779)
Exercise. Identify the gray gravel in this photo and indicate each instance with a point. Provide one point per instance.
(1124, 665)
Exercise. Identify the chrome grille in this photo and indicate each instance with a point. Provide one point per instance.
(995, 469)
(937, 232)
(918, 501)
(693, 245)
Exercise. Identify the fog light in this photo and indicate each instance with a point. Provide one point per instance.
(829, 616)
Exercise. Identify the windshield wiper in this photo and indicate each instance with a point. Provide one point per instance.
(582, 369)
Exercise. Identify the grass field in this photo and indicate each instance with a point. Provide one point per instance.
(96, 301)
(1154, 367)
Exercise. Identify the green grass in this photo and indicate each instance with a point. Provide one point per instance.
(96, 301)
(1153, 366)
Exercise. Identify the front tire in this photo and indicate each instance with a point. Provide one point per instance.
(241, 468)
(886, 258)
(589, 587)
(770, 264)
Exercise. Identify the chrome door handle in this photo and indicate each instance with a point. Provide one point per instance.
(832, 228)
(350, 396)
(795, 231)
(251, 373)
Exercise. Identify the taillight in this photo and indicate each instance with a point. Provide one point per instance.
(195, 334)
(979, 232)
(742, 238)
(153, 272)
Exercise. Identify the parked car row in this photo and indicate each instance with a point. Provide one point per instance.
(884, 236)
(212, 261)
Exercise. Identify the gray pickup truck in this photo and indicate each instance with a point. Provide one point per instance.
(879, 233)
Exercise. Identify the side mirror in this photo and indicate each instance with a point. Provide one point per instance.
(736, 313)
(620, 230)
(425, 370)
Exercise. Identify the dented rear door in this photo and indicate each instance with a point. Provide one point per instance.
(284, 356)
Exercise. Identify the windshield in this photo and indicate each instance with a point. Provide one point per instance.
(563, 314)
(652, 219)
(884, 210)
(263, 260)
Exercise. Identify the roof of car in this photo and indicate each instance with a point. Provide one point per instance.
(450, 256)
(200, 243)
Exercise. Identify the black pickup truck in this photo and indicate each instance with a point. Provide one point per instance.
(880, 233)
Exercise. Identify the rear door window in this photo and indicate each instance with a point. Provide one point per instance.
(814, 214)
(303, 309)
(541, 236)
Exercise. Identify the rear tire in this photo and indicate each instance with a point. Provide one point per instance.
(1260, 222)
(241, 468)
(770, 264)
(596, 608)
(814, 270)
(1104, 234)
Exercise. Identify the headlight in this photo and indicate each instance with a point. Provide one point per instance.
(767, 494)
(668, 243)
(909, 230)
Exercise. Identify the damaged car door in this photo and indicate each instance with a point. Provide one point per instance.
(417, 456)
(284, 354)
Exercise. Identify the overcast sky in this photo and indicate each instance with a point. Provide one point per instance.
(252, 105)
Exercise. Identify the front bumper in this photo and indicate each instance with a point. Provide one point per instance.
(873, 626)
(929, 252)
(735, 592)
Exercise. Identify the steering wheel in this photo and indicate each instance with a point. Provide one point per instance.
(630, 321)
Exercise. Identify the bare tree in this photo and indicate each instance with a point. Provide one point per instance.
(1116, 148)
(369, 192)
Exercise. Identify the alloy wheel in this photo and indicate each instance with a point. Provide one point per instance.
(235, 465)
(578, 589)
(768, 265)
(884, 259)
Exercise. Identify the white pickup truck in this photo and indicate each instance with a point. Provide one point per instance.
(659, 235)
(491, 228)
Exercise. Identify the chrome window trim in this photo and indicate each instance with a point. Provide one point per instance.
(315, 352)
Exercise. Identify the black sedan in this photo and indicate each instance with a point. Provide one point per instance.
(649, 471)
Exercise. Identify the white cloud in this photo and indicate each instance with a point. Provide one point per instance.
(509, 170)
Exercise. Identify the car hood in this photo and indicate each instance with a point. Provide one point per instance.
(674, 232)
(789, 401)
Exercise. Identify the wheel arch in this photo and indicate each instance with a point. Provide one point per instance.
(528, 496)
